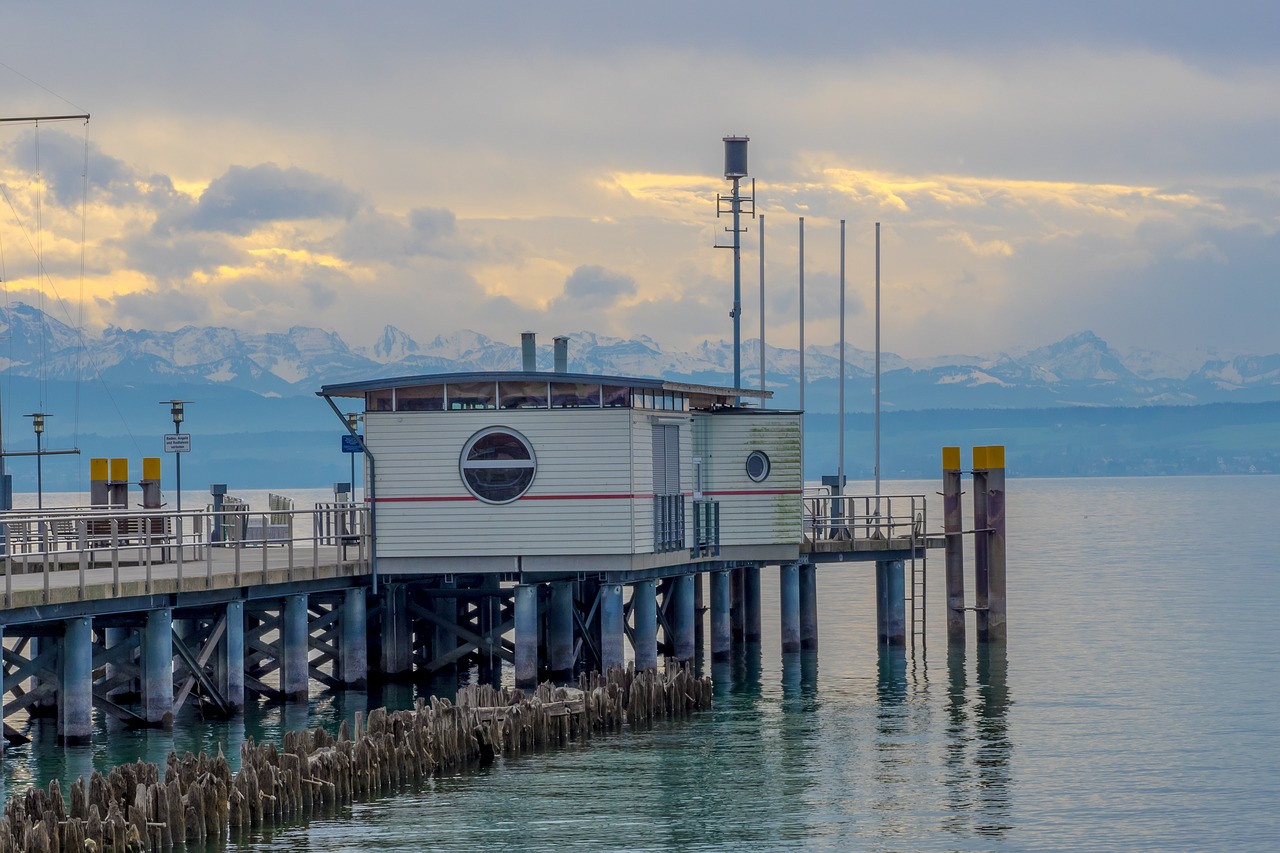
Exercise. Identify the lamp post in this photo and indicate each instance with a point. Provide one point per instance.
(353, 424)
(37, 423)
(176, 444)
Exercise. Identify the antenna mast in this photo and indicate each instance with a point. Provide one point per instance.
(735, 169)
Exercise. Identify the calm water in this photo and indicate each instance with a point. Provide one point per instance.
(1135, 708)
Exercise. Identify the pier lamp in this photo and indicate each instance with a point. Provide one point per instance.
(178, 445)
(37, 423)
(353, 424)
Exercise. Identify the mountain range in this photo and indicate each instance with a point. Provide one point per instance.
(1081, 369)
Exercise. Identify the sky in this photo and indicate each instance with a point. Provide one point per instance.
(1037, 169)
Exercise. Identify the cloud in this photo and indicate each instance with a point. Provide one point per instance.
(246, 198)
(596, 287)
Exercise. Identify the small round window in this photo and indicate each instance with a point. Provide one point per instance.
(758, 465)
(497, 465)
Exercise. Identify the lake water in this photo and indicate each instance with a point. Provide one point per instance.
(1136, 706)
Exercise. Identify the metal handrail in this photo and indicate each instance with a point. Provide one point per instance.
(101, 542)
(845, 517)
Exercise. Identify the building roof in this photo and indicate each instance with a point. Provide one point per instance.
(359, 389)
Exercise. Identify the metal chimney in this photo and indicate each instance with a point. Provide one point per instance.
(562, 354)
(529, 348)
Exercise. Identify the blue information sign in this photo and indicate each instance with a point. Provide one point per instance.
(351, 444)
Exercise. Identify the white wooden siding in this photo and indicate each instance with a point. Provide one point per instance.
(752, 513)
(581, 500)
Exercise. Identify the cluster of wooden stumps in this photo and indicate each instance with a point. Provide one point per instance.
(198, 799)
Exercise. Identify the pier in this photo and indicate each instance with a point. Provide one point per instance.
(537, 524)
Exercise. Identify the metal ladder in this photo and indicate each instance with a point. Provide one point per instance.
(916, 590)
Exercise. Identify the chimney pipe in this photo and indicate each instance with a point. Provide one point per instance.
(562, 354)
(529, 347)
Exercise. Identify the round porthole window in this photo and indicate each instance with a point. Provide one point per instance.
(758, 465)
(497, 465)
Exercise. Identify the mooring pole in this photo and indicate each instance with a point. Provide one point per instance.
(953, 526)
(981, 543)
(996, 628)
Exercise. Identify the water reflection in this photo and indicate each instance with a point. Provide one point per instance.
(978, 745)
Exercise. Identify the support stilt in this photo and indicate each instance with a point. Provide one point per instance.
(294, 673)
(612, 628)
(751, 603)
(808, 606)
(789, 606)
(230, 658)
(526, 635)
(721, 623)
(157, 668)
(560, 631)
(684, 617)
(891, 602)
(75, 687)
(644, 609)
(353, 658)
(952, 526)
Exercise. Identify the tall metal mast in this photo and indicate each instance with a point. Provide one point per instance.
(735, 169)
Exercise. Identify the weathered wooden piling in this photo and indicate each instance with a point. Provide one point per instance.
(198, 800)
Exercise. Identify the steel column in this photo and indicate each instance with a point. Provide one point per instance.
(808, 606)
(526, 635)
(996, 627)
(612, 627)
(295, 671)
(891, 602)
(789, 606)
(684, 617)
(560, 631)
(353, 653)
(75, 687)
(397, 637)
(953, 526)
(230, 657)
(751, 603)
(721, 621)
(157, 667)
(644, 609)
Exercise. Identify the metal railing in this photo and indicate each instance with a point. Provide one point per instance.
(113, 548)
(706, 529)
(829, 517)
(668, 523)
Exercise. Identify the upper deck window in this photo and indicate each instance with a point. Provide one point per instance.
(472, 395)
(522, 395)
(420, 398)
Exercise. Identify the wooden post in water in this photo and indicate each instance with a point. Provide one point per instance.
(981, 564)
(996, 628)
(953, 527)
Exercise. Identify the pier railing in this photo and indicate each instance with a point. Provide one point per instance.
(179, 551)
(832, 518)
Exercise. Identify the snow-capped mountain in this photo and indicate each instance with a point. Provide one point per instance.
(1081, 369)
